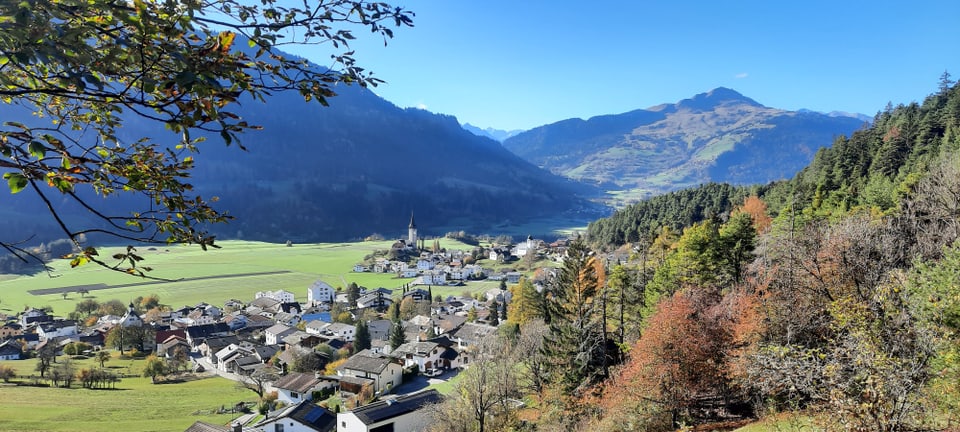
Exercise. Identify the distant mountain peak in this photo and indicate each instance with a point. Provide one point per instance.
(716, 97)
(493, 133)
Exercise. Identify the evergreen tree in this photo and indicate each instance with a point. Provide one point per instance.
(397, 335)
(362, 340)
(574, 346)
(494, 317)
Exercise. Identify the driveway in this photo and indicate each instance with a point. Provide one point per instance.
(421, 382)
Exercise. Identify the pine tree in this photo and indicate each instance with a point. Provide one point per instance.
(574, 346)
(494, 317)
(397, 335)
(362, 340)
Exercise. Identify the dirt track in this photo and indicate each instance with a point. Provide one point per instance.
(95, 287)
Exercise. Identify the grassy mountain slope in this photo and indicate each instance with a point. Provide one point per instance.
(718, 136)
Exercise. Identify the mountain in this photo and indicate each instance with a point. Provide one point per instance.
(496, 134)
(718, 136)
(357, 167)
(862, 117)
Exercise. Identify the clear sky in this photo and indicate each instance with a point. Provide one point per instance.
(517, 64)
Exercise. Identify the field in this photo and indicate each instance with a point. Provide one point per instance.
(135, 404)
(238, 270)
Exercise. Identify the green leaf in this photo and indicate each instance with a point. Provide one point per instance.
(15, 181)
(37, 149)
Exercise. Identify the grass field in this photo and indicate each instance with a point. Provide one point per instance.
(294, 268)
(135, 404)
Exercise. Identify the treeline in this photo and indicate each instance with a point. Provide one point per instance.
(673, 210)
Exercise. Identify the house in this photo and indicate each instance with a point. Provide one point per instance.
(197, 334)
(379, 329)
(343, 331)
(425, 264)
(302, 339)
(383, 373)
(263, 304)
(161, 336)
(10, 329)
(286, 318)
(470, 334)
(251, 359)
(321, 292)
(258, 321)
(281, 296)
(360, 268)
(275, 334)
(59, 328)
(402, 413)
(417, 294)
(296, 387)
(409, 273)
(10, 350)
(425, 354)
(32, 315)
(513, 277)
(375, 299)
(168, 347)
(212, 345)
(301, 417)
(499, 295)
(201, 426)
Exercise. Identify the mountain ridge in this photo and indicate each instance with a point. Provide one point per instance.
(719, 135)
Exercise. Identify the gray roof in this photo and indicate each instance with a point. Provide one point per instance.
(416, 348)
(390, 408)
(297, 381)
(366, 361)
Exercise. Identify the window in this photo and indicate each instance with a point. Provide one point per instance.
(294, 395)
(277, 427)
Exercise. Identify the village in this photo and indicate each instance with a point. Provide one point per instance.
(378, 351)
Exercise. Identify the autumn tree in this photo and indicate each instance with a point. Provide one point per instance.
(74, 68)
(153, 367)
(102, 357)
(408, 308)
(526, 304)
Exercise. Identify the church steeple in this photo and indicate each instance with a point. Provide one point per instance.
(412, 233)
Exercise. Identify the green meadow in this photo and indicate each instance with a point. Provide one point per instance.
(135, 404)
(238, 270)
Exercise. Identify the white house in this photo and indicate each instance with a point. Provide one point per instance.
(360, 268)
(281, 296)
(296, 387)
(302, 417)
(409, 272)
(343, 331)
(424, 264)
(276, 333)
(59, 328)
(320, 292)
(397, 414)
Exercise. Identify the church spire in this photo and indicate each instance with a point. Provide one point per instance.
(412, 224)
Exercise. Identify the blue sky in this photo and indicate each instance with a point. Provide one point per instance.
(520, 64)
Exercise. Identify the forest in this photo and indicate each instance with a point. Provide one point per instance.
(832, 298)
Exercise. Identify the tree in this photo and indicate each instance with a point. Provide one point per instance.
(87, 306)
(362, 340)
(189, 69)
(397, 335)
(575, 347)
(103, 356)
(7, 373)
(153, 367)
(353, 293)
(407, 308)
(494, 317)
(45, 357)
(472, 314)
(526, 304)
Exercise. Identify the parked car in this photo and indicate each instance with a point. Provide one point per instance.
(433, 372)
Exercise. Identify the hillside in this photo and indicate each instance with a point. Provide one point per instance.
(718, 136)
(357, 167)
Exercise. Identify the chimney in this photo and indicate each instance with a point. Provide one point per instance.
(236, 427)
